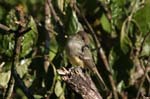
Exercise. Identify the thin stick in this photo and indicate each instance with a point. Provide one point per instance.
(4, 27)
(142, 82)
(57, 19)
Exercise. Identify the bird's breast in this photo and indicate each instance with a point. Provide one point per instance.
(76, 61)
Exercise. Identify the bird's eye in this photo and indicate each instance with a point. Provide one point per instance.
(83, 47)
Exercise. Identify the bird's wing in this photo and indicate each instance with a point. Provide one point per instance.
(86, 56)
(89, 63)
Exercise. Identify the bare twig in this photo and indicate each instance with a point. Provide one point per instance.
(147, 76)
(142, 81)
(4, 27)
(48, 30)
(57, 19)
(106, 9)
(49, 12)
(110, 76)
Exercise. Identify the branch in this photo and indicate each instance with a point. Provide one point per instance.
(15, 61)
(110, 75)
(10, 88)
(21, 30)
(14, 76)
(4, 27)
(80, 82)
(53, 12)
(48, 31)
(107, 10)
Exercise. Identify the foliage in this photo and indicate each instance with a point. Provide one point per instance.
(123, 31)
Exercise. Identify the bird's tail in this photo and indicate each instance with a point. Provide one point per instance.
(100, 80)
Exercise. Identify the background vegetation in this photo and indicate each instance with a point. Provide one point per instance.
(33, 35)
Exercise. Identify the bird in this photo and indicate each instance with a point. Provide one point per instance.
(79, 54)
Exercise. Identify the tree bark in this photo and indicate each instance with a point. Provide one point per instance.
(80, 82)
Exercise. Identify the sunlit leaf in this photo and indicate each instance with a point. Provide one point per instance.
(4, 78)
(73, 24)
(58, 89)
(36, 96)
(146, 50)
(105, 24)
(53, 48)
(120, 86)
(29, 39)
(60, 4)
(11, 19)
(23, 67)
(146, 47)
(125, 42)
(21, 93)
(113, 57)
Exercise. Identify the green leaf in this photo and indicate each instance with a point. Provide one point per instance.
(146, 47)
(113, 57)
(11, 2)
(60, 4)
(11, 19)
(2, 12)
(20, 93)
(4, 78)
(37, 96)
(7, 44)
(29, 38)
(58, 89)
(23, 67)
(121, 86)
(146, 50)
(32, 25)
(53, 48)
(7, 66)
(125, 42)
(105, 24)
(72, 24)
(142, 17)
(117, 12)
